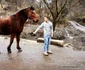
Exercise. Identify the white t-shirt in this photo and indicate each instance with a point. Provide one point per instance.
(47, 27)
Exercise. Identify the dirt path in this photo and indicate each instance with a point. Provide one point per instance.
(31, 58)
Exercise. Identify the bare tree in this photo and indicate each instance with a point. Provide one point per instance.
(59, 9)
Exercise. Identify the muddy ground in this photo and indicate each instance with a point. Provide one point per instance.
(31, 58)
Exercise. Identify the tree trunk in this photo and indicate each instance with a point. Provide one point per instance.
(54, 25)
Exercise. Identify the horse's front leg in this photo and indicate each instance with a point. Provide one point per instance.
(17, 40)
(11, 41)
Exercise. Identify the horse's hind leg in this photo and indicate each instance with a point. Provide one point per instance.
(18, 39)
(11, 41)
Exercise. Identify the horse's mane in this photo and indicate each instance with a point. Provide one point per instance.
(20, 13)
(23, 11)
(31, 8)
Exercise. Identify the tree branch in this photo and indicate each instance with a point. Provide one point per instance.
(75, 4)
(48, 8)
(62, 8)
(56, 7)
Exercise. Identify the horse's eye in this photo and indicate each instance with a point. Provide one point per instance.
(32, 12)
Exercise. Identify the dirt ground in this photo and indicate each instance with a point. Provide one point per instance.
(31, 58)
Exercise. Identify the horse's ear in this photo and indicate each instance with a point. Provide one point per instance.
(32, 8)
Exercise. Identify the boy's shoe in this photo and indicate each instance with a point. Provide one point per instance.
(45, 53)
(50, 52)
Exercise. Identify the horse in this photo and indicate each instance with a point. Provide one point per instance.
(14, 24)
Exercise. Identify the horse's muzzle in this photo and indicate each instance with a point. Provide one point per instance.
(35, 21)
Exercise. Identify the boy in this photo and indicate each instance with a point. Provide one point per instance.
(48, 33)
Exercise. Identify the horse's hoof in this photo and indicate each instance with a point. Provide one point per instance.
(20, 50)
(9, 50)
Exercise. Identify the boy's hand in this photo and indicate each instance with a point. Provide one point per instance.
(33, 34)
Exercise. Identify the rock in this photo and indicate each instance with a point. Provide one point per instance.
(78, 38)
(59, 34)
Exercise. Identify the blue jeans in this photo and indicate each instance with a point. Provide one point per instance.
(46, 43)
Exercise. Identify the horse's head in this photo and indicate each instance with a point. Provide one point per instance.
(32, 14)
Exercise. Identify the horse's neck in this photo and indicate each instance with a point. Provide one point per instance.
(20, 17)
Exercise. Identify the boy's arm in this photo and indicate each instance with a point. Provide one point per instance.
(38, 28)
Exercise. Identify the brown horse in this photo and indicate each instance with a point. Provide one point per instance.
(14, 24)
